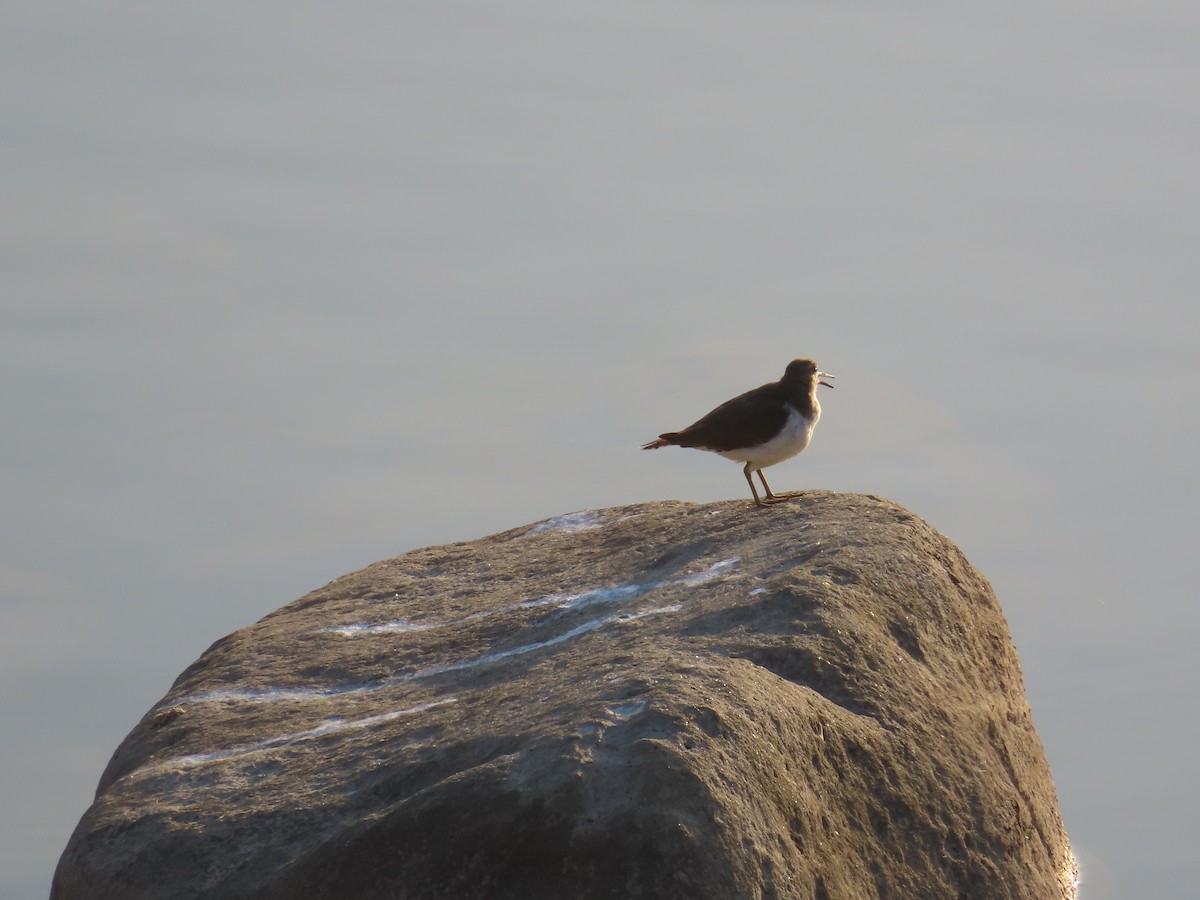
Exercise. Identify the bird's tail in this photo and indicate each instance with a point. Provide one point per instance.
(663, 440)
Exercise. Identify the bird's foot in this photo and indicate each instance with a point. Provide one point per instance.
(772, 499)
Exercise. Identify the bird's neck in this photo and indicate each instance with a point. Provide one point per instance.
(804, 398)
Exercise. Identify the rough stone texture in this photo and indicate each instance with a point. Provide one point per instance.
(815, 700)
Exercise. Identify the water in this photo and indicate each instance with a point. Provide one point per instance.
(286, 291)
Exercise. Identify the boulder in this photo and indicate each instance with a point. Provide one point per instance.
(815, 700)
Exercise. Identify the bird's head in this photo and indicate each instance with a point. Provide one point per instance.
(805, 372)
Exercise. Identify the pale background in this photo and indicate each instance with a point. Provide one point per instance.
(290, 287)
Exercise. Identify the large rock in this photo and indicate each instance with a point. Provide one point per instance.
(814, 700)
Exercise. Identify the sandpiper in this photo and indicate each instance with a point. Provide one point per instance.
(761, 427)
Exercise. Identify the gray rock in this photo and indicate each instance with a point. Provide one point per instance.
(815, 700)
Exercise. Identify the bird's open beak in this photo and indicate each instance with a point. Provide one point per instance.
(821, 375)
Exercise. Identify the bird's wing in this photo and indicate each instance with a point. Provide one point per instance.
(746, 421)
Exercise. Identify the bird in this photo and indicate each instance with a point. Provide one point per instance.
(761, 427)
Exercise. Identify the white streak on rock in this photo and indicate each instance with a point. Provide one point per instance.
(610, 594)
(329, 726)
(716, 570)
(396, 626)
(539, 645)
(277, 695)
(274, 695)
(613, 594)
(626, 710)
(583, 520)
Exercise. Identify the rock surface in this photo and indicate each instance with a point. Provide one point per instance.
(815, 700)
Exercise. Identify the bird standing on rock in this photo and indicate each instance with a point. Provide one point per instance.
(761, 427)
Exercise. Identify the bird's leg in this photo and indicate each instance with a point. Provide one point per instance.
(750, 481)
(763, 478)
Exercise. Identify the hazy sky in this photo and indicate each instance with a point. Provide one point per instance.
(287, 289)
